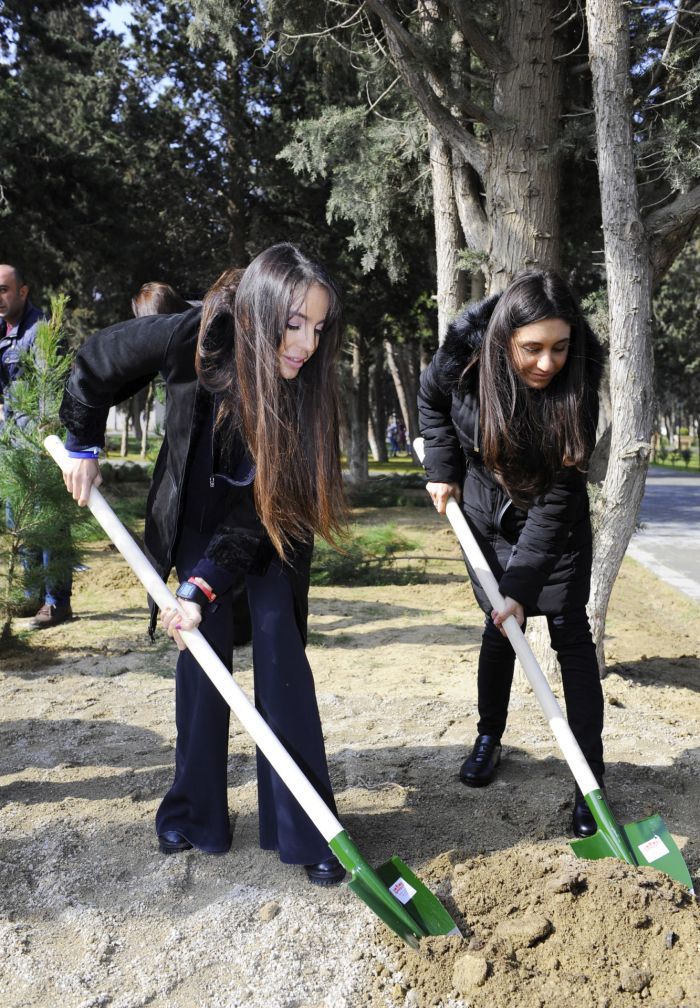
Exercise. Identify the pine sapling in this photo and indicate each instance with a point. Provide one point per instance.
(37, 512)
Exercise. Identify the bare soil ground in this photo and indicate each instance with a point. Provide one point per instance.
(91, 914)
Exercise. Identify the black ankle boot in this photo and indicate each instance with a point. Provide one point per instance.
(480, 766)
(582, 822)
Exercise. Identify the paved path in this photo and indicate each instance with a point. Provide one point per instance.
(669, 541)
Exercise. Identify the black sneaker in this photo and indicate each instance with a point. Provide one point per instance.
(479, 767)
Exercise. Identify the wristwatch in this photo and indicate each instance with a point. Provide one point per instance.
(191, 592)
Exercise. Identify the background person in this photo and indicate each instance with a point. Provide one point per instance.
(153, 298)
(392, 437)
(248, 472)
(508, 409)
(157, 298)
(19, 320)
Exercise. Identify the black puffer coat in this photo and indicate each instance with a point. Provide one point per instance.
(541, 557)
(116, 363)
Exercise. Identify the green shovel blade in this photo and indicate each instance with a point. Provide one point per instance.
(653, 845)
(425, 908)
(394, 894)
(647, 842)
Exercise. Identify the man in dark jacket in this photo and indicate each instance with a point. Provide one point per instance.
(19, 320)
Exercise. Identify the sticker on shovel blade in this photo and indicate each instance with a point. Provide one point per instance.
(653, 849)
(402, 890)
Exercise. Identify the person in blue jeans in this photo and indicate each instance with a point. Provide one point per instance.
(248, 472)
(19, 320)
(508, 410)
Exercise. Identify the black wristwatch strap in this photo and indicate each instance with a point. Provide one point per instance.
(192, 593)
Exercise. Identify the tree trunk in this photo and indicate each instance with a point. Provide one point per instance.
(6, 608)
(522, 180)
(356, 397)
(538, 638)
(146, 420)
(344, 425)
(136, 404)
(451, 280)
(377, 405)
(449, 235)
(125, 435)
(403, 361)
(628, 271)
(235, 216)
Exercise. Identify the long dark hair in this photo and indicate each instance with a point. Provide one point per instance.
(290, 427)
(529, 434)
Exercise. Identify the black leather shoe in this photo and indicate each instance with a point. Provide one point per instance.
(582, 822)
(172, 842)
(479, 767)
(328, 872)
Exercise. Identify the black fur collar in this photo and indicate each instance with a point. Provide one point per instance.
(465, 335)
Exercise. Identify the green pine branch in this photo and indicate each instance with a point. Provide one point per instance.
(40, 515)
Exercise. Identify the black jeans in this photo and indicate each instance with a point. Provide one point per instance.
(570, 634)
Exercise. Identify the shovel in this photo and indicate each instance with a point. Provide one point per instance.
(647, 842)
(392, 892)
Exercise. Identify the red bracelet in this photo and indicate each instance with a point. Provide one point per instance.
(203, 587)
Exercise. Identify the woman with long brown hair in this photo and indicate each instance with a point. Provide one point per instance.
(248, 473)
(508, 410)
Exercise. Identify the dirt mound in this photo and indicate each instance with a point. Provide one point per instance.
(545, 928)
(92, 915)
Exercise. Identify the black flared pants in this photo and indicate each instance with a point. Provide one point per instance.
(196, 805)
(571, 639)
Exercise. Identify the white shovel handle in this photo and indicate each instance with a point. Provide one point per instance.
(258, 729)
(548, 702)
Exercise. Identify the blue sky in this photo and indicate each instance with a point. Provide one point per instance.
(116, 15)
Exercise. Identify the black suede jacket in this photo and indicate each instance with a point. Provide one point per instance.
(540, 556)
(114, 364)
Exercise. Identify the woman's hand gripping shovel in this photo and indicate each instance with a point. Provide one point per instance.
(647, 842)
(392, 891)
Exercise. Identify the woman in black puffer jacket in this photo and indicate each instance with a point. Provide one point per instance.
(508, 410)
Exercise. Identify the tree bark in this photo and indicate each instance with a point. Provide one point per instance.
(356, 398)
(522, 181)
(377, 405)
(136, 404)
(508, 201)
(669, 228)
(449, 237)
(628, 270)
(403, 361)
(124, 450)
(148, 406)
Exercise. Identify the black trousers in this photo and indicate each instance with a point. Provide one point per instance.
(570, 634)
(197, 803)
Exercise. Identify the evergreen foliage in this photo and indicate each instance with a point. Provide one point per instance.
(368, 557)
(41, 515)
(677, 338)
